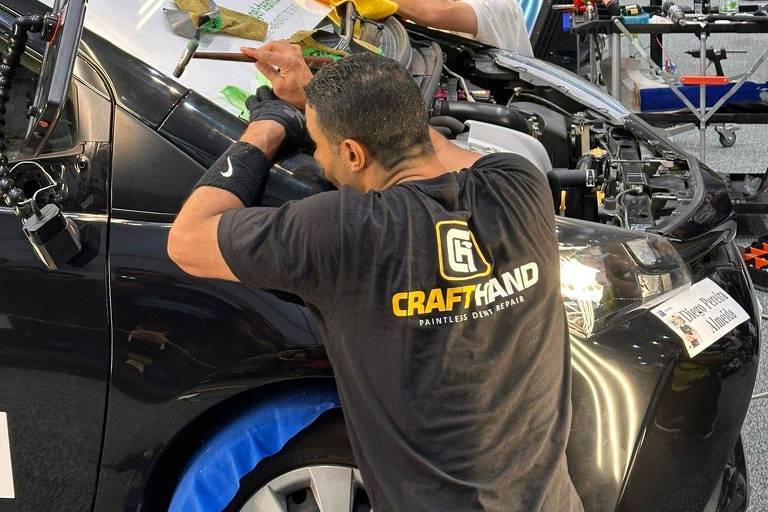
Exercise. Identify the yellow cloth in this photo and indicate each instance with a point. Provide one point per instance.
(233, 23)
(304, 39)
(370, 9)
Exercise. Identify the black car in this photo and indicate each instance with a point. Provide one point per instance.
(129, 385)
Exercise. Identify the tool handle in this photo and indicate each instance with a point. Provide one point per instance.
(233, 56)
(240, 57)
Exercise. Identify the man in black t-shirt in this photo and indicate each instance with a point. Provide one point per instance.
(436, 288)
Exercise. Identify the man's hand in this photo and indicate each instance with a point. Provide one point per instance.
(264, 106)
(283, 64)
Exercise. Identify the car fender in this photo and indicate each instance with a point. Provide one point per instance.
(211, 478)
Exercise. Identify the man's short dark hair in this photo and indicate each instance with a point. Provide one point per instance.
(375, 101)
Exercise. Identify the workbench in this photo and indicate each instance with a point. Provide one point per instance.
(614, 28)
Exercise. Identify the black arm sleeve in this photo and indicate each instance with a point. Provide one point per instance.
(241, 170)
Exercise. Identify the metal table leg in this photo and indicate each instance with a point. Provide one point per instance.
(578, 54)
(592, 59)
(616, 66)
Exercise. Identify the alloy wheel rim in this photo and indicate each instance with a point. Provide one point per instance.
(321, 488)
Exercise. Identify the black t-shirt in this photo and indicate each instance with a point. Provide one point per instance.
(439, 302)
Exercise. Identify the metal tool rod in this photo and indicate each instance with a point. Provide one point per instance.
(189, 52)
(677, 130)
(348, 28)
(616, 66)
(672, 85)
(578, 54)
(702, 97)
(592, 60)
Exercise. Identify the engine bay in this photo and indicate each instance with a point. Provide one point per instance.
(600, 169)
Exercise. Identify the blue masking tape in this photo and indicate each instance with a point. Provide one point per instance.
(212, 477)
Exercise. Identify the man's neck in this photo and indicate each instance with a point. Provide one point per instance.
(413, 169)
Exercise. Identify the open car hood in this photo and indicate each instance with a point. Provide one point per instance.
(541, 73)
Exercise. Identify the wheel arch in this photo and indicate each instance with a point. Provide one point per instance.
(267, 400)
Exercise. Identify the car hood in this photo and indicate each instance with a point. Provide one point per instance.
(539, 72)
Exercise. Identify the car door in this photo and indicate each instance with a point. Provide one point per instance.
(54, 325)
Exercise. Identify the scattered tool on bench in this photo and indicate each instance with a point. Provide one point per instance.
(715, 57)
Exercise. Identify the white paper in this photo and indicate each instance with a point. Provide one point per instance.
(141, 28)
(701, 315)
(6, 471)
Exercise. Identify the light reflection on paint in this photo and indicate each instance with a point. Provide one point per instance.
(614, 443)
(628, 394)
(148, 9)
(611, 402)
(598, 412)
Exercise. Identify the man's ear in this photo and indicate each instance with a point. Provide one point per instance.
(355, 154)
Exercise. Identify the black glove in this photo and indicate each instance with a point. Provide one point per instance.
(264, 105)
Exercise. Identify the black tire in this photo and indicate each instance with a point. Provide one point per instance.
(325, 442)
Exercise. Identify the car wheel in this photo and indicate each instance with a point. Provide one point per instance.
(314, 472)
(727, 139)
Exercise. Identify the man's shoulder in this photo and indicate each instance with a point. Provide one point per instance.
(507, 162)
(513, 173)
(328, 200)
(346, 203)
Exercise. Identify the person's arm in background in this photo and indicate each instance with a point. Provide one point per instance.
(450, 155)
(442, 14)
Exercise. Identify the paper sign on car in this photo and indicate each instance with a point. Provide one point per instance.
(701, 315)
(6, 472)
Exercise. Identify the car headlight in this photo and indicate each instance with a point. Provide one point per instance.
(607, 273)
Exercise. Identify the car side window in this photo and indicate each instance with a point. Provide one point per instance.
(22, 95)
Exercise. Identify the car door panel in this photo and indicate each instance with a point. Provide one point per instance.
(54, 329)
(181, 344)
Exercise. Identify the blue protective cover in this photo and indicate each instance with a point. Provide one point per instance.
(662, 98)
(531, 10)
(640, 19)
(212, 477)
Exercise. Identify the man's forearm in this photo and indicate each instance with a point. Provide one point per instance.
(443, 14)
(193, 240)
(265, 135)
(206, 202)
